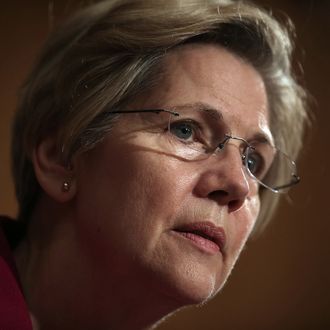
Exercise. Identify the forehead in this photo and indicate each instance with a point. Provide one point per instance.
(211, 75)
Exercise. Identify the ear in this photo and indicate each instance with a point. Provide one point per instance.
(55, 178)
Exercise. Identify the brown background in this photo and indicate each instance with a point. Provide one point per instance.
(282, 280)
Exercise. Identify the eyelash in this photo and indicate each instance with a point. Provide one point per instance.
(196, 130)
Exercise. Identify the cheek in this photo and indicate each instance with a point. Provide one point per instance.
(243, 224)
(131, 199)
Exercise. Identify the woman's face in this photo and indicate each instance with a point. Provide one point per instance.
(159, 224)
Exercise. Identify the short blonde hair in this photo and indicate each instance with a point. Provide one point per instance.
(112, 51)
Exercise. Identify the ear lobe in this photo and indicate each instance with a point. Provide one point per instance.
(55, 178)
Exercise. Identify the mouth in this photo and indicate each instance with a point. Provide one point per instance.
(205, 235)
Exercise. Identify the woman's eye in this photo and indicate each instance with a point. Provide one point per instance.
(255, 164)
(183, 130)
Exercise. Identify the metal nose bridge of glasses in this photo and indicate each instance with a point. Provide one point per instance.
(282, 188)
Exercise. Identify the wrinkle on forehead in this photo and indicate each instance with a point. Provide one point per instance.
(234, 84)
(196, 55)
(210, 74)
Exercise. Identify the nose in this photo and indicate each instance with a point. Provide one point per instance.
(224, 179)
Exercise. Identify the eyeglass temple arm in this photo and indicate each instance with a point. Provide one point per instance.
(146, 110)
(295, 180)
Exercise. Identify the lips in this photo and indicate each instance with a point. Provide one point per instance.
(204, 234)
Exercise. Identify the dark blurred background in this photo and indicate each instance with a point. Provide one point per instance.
(282, 280)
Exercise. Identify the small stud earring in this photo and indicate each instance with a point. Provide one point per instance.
(65, 186)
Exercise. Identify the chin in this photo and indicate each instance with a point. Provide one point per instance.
(202, 294)
(191, 288)
(195, 295)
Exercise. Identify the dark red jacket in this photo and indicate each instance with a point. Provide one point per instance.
(14, 313)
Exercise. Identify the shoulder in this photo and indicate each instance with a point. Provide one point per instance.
(13, 310)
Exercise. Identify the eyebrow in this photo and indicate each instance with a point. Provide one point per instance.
(201, 106)
(217, 114)
(261, 138)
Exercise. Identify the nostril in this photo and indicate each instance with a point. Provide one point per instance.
(223, 197)
(218, 195)
(225, 184)
(234, 205)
